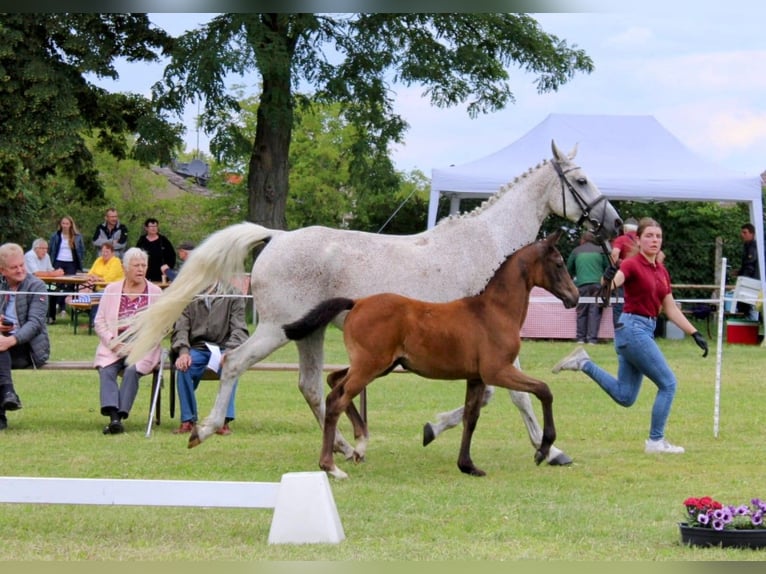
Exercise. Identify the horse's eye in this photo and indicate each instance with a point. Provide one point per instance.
(582, 180)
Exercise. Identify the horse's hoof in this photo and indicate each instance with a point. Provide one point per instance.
(472, 470)
(539, 457)
(194, 439)
(428, 434)
(335, 472)
(561, 459)
(358, 457)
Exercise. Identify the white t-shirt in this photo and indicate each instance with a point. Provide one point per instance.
(34, 264)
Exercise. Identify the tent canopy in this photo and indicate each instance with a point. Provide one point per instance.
(627, 157)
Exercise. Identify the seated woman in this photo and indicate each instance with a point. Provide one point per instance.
(121, 300)
(107, 268)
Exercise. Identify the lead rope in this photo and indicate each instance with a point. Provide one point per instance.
(606, 290)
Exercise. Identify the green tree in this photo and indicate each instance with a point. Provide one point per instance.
(353, 60)
(48, 107)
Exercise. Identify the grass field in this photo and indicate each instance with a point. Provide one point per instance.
(406, 502)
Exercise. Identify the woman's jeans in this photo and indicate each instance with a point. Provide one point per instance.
(188, 381)
(638, 355)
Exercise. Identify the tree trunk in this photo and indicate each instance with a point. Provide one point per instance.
(267, 180)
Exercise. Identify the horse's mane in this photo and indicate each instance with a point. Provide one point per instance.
(487, 203)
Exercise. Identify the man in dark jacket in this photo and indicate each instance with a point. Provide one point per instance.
(749, 264)
(112, 231)
(23, 335)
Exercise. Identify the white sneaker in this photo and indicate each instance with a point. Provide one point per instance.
(573, 361)
(662, 446)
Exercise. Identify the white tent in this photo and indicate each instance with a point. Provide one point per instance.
(627, 157)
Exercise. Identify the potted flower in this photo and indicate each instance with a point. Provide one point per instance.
(710, 523)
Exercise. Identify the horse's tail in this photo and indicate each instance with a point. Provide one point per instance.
(319, 316)
(217, 259)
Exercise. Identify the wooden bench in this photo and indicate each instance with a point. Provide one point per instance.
(88, 365)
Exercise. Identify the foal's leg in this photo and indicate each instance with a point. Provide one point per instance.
(515, 379)
(447, 420)
(475, 392)
(311, 358)
(361, 434)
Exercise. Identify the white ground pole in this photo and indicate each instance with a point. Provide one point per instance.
(304, 508)
(719, 348)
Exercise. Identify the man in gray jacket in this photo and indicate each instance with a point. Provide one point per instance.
(23, 335)
(211, 325)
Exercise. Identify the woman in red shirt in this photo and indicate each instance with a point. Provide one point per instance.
(646, 284)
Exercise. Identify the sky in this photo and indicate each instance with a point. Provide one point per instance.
(696, 66)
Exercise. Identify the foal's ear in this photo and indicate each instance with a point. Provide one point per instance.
(554, 237)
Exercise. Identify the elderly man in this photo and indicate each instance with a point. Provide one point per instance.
(212, 324)
(24, 341)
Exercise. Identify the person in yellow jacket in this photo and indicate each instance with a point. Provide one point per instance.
(107, 268)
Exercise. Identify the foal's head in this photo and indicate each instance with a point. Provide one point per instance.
(547, 269)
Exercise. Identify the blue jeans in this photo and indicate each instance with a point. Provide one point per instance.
(188, 381)
(638, 355)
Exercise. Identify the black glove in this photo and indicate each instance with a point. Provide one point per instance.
(609, 274)
(701, 342)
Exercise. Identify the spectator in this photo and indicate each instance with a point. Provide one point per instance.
(111, 230)
(586, 264)
(184, 250)
(121, 300)
(647, 292)
(626, 245)
(209, 324)
(67, 250)
(749, 265)
(158, 247)
(24, 341)
(107, 268)
(38, 263)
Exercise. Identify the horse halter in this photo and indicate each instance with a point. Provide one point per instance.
(585, 207)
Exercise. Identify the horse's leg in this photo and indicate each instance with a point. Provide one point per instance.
(361, 434)
(513, 378)
(311, 357)
(474, 400)
(264, 341)
(449, 419)
(556, 457)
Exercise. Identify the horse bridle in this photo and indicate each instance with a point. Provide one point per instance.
(585, 208)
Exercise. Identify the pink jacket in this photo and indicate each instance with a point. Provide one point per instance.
(105, 325)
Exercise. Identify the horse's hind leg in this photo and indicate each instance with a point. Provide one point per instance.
(361, 434)
(264, 341)
(311, 357)
(474, 399)
(449, 419)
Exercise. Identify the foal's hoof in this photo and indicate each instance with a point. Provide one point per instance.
(472, 470)
(561, 459)
(539, 457)
(428, 434)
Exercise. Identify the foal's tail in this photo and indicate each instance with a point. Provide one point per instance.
(319, 316)
(219, 258)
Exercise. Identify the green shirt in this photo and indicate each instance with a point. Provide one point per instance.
(586, 264)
